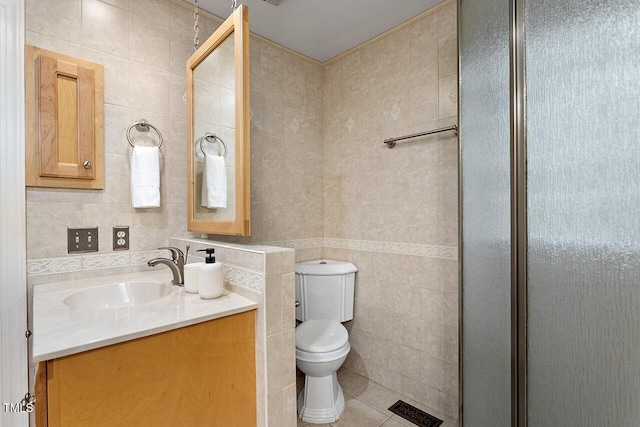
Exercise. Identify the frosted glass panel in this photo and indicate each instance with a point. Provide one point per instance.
(484, 120)
(583, 150)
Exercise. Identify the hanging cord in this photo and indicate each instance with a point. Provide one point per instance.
(196, 18)
(196, 30)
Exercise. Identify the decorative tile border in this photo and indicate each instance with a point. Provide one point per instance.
(39, 267)
(430, 251)
(447, 252)
(234, 274)
(365, 245)
(243, 277)
(237, 275)
(141, 258)
(88, 262)
(95, 262)
(316, 242)
(195, 258)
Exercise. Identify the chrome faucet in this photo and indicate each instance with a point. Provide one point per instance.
(175, 264)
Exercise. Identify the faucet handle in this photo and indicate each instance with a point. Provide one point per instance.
(175, 252)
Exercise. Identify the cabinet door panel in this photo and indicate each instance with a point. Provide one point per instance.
(199, 375)
(66, 119)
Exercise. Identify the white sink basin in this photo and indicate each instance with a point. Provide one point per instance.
(116, 295)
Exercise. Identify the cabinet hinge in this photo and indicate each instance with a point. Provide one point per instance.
(28, 333)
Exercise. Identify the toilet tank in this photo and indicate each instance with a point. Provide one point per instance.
(325, 289)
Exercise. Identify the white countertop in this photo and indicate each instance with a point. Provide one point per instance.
(59, 330)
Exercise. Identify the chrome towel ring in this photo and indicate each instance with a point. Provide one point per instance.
(143, 126)
(212, 137)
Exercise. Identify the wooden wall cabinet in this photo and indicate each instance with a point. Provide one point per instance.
(199, 375)
(64, 121)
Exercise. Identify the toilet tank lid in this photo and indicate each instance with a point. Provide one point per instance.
(324, 267)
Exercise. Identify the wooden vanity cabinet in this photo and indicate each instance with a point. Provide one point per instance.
(199, 375)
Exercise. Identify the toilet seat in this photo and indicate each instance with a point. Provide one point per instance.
(330, 356)
(321, 336)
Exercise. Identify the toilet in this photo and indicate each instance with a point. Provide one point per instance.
(325, 292)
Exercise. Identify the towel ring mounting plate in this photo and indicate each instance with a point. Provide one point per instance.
(212, 137)
(143, 126)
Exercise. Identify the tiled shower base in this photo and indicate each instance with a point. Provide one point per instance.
(367, 403)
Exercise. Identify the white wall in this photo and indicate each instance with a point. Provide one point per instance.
(13, 289)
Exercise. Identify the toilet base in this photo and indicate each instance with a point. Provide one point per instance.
(321, 400)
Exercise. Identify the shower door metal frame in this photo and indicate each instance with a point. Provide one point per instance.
(518, 183)
(460, 251)
(518, 216)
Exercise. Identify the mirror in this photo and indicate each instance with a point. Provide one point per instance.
(218, 143)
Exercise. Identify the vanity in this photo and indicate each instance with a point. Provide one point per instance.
(135, 350)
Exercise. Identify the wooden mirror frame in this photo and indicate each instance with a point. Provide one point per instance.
(237, 25)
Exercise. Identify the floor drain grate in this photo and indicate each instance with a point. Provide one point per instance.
(414, 415)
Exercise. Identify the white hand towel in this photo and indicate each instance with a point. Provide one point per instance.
(145, 177)
(214, 182)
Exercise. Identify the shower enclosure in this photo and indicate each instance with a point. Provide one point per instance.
(550, 173)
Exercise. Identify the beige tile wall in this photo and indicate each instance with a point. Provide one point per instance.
(286, 146)
(143, 46)
(144, 77)
(405, 330)
(280, 338)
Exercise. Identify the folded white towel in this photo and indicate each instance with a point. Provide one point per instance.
(145, 177)
(214, 182)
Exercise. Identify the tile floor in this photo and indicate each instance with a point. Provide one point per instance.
(367, 403)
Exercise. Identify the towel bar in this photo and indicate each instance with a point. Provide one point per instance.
(391, 142)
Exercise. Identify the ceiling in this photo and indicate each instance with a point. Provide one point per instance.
(323, 29)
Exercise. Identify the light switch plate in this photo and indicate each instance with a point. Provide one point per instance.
(81, 240)
(121, 238)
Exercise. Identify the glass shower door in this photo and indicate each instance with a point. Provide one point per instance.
(582, 111)
(485, 203)
(583, 154)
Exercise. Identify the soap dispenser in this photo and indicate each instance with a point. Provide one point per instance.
(210, 283)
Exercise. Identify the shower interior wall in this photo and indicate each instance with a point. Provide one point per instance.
(383, 208)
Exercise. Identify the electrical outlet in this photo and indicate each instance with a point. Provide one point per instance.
(82, 240)
(121, 238)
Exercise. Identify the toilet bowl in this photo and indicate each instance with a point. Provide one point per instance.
(325, 293)
(322, 347)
